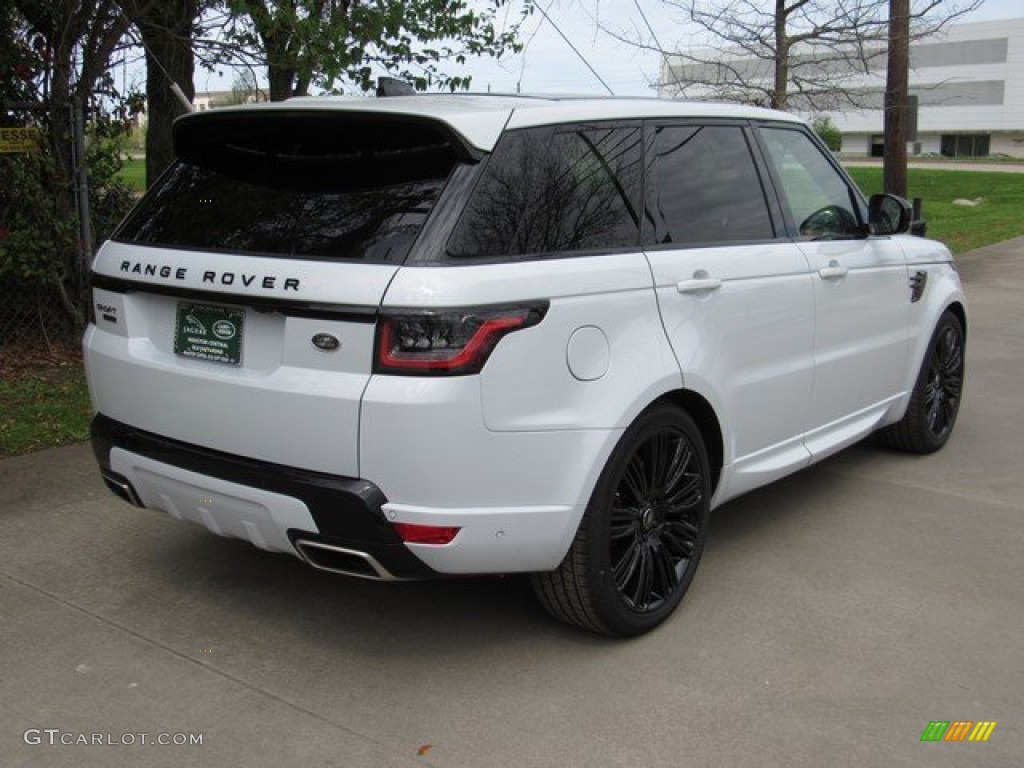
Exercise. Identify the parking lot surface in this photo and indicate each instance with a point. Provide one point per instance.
(835, 615)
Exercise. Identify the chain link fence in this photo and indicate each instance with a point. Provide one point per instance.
(49, 206)
(33, 318)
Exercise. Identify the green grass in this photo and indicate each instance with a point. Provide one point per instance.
(42, 408)
(962, 228)
(133, 173)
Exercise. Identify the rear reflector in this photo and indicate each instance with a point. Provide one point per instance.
(411, 533)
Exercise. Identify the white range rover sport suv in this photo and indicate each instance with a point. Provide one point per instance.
(428, 336)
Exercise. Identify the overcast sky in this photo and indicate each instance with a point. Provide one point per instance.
(548, 64)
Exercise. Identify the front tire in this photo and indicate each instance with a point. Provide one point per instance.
(935, 401)
(642, 535)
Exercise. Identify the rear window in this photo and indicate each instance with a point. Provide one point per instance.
(299, 186)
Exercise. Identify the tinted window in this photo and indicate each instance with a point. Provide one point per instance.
(549, 191)
(302, 188)
(702, 187)
(819, 201)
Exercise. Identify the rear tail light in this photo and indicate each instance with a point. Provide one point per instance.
(411, 533)
(447, 342)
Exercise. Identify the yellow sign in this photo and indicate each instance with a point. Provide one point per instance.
(19, 139)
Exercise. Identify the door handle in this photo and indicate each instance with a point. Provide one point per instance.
(699, 285)
(833, 271)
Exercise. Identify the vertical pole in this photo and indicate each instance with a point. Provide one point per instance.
(82, 181)
(780, 85)
(897, 90)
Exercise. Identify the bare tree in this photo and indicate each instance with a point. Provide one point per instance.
(802, 54)
(244, 89)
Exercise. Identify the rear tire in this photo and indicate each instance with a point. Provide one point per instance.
(642, 535)
(935, 401)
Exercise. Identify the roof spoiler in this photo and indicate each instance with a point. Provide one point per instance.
(269, 131)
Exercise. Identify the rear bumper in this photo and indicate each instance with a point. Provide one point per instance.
(337, 519)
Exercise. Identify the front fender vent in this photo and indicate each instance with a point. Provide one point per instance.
(918, 281)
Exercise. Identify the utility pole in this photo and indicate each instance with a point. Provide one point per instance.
(897, 92)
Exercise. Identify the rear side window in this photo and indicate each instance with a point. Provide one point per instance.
(703, 187)
(306, 186)
(554, 191)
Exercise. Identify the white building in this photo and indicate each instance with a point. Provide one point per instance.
(969, 82)
(205, 100)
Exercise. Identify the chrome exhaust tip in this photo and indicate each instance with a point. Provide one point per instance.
(335, 559)
(120, 487)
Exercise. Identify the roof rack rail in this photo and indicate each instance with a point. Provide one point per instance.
(392, 86)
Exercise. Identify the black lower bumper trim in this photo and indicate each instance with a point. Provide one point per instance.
(347, 511)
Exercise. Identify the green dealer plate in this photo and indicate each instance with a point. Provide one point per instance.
(210, 333)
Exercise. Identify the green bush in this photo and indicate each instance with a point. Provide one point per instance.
(39, 228)
(34, 237)
(829, 133)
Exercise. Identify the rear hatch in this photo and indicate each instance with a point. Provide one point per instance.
(235, 308)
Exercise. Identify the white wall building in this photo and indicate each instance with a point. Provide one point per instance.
(205, 100)
(969, 81)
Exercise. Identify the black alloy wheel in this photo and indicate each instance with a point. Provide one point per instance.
(656, 519)
(935, 401)
(945, 381)
(641, 538)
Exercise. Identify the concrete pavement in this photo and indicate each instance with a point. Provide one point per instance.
(836, 613)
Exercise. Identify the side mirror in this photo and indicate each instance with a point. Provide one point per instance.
(832, 221)
(889, 215)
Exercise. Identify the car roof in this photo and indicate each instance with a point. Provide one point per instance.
(481, 118)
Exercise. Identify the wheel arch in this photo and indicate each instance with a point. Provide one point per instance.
(958, 310)
(703, 414)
